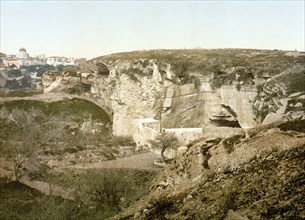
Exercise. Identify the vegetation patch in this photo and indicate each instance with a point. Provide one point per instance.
(226, 65)
(132, 73)
(230, 142)
(122, 141)
(77, 108)
(20, 93)
(18, 201)
(298, 125)
(102, 193)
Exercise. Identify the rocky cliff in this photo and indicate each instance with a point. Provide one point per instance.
(185, 88)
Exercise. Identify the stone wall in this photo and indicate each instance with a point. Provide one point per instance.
(146, 129)
(185, 135)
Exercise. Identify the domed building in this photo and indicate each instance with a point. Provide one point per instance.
(22, 54)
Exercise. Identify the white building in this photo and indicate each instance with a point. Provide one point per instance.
(22, 59)
(22, 54)
(12, 62)
(55, 61)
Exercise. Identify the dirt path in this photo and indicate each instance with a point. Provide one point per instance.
(48, 189)
(136, 161)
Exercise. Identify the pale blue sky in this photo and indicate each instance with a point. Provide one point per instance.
(94, 28)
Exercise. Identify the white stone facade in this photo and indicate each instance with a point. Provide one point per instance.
(55, 61)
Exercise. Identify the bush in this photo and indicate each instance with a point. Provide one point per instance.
(14, 73)
(122, 141)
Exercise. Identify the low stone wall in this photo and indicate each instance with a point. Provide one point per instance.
(221, 132)
(146, 129)
(185, 135)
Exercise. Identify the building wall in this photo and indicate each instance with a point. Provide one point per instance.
(55, 61)
(9, 63)
(23, 55)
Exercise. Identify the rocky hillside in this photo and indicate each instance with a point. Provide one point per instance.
(247, 107)
(188, 88)
(256, 177)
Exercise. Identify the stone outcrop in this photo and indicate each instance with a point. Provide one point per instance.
(282, 97)
(132, 101)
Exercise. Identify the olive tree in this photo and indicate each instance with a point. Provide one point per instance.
(21, 143)
(164, 141)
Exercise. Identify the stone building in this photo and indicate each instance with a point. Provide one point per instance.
(23, 54)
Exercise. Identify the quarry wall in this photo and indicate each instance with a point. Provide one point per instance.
(143, 105)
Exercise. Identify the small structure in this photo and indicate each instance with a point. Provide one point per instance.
(147, 129)
(12, 62)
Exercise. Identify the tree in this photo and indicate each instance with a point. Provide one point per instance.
(104, 193)
(19, 154)
(22, 146)
(164, 141)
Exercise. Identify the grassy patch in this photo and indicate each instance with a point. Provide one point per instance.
(106, 191)
(294, 80)
(224, 64)
(18, 201)
(77, 108)
(98, 194)
(20, 93)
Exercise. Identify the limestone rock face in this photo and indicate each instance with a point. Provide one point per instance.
(144, 88)
(184, 106)
(241, 103)
(133, 92)
(132, 101)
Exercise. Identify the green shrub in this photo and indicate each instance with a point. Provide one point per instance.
(238, 87)
(122, 141)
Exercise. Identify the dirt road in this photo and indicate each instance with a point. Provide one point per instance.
(136, 161)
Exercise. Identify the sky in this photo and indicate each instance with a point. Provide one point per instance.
(94, 28)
